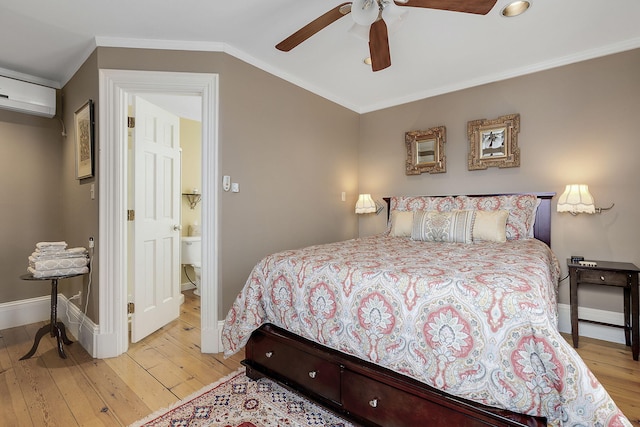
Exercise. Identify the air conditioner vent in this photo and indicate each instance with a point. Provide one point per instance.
(29, 98)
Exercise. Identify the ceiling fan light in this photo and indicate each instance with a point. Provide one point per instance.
(393, 15)
(364, 12)
(515, 8)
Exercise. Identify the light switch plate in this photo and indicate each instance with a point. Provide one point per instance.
(235, 187)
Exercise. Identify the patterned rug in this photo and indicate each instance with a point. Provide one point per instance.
(237, 401)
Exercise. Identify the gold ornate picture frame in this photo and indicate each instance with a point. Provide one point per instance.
(494, 143)
(425, 151)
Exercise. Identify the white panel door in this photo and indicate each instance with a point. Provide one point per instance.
(156, 228)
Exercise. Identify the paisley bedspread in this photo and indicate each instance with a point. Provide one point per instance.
(476, 320)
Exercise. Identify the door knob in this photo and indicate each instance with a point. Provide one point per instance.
(177, 227)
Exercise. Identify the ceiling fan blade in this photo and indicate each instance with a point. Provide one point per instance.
(379, 46)
(479, 7)
(313, 27)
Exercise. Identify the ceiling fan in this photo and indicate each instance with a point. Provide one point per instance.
(373, 13)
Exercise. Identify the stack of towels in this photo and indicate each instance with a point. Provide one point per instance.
(52, 259)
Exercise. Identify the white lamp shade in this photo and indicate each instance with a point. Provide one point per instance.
(576, 199)
(393, 16)
(365, 204)
(364, 12)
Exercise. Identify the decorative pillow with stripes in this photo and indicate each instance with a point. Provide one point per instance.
(433, 226)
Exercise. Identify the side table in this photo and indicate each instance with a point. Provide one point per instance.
(55, 328)
(607, 273)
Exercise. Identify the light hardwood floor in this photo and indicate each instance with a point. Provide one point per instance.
(167, 366)
(81, 391)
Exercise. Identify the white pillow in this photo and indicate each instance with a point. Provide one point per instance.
(401, 223)
(491, 226)
(533, 222)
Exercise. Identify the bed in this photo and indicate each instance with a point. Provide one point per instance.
(447, 318)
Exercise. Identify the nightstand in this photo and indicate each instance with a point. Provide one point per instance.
(619, 274)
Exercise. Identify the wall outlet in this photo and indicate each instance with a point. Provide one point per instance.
(91, 243)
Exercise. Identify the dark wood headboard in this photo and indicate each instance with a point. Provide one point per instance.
(542, 225)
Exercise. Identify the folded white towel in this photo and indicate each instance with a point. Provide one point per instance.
(59, 272)
(48, 245)
(57, 263)
(79, 249)
(67, 253)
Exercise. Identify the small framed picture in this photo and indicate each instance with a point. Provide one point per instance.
(425, 151)
(84, 128)
(494, 143)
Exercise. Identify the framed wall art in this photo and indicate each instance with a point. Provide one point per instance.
(494, 143)
(425, 151)
(84, 127)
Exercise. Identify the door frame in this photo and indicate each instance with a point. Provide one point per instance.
(112, 338)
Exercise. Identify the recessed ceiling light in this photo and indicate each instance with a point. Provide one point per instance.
(515, 8)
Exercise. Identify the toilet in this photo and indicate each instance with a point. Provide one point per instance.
(191, 254)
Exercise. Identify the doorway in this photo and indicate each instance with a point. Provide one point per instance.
(116, 86)
(154, 186)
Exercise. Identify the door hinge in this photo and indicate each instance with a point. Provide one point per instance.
(131, 308)
(131, 122)
(131, 214)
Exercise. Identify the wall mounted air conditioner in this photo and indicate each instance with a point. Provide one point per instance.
(30, 98)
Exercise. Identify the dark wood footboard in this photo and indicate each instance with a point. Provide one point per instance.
(363, 392)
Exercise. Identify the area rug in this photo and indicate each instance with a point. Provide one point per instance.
(237, 401)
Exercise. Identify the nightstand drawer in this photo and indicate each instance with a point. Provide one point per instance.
(598, 277)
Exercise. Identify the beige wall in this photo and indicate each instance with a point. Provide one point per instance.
(191, 144)
(292, 153)
(80, 212)
(578, 125)
(32, 203)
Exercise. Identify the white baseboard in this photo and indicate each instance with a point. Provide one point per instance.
(24, 312)
(585, 329)
(33, 310)
(220, 326)
(590, 330)
(78, 325)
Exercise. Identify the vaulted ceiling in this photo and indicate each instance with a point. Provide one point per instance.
(432, 51)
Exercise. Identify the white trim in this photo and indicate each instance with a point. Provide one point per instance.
(29, 78)
(572, 58)
(601, 332)
(115, 86)
(24, 312)
(590, 330)
(193, 45)
(73, 318)
(33, 310)
(220, 326)
(228, 49)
